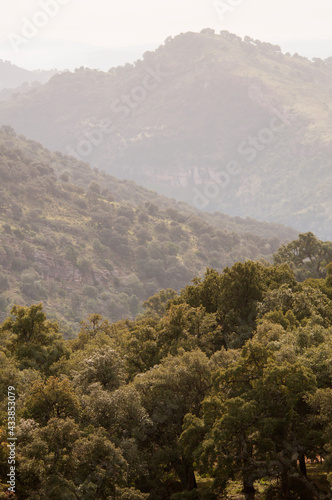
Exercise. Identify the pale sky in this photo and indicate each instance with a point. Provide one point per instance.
(124, 23)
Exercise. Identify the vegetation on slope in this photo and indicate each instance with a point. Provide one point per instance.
(82, 241)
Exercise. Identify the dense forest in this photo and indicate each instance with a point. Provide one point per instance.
(218, 391)
(82, 241)
(176, 121)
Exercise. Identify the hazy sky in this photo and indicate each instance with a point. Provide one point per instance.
(123, 23)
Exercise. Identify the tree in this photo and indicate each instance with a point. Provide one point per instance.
(232, 295)
(157, 303)
(54, 398)
(35, 341)
(123, 416)
(206, 293)
(141, 349)
(59, 462)
(103, 366)
(46, 459)
(256, 422)
(189, 328)
(300, 306)
(243, 286)
(307, 255)
(168, 392)
(329, 275)
(321, 403)
(100, 466)
(90, 330)
(30, 325)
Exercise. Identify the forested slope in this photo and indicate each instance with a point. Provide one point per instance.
(220, 391)
(82, 241)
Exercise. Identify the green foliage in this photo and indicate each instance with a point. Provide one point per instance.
(233, 296)
(34, 341)
(226, 385)
(53, 399)
(158, 303)
(308, 256)
(59, 462)
(104, 367)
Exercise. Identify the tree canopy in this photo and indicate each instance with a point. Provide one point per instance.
(222, 389)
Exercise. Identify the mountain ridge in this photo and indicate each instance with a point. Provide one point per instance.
(175, 120)
(13, 76)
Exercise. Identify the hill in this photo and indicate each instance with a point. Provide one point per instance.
(219, 122)
(82, 241)
(12, 76)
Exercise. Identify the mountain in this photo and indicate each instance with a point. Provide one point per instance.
(7, 94)
(12, 76)
(15, 80)
(82, 241)
(219, 122)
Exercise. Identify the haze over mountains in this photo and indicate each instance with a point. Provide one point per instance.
(221, 123)
(65, 54)
(15, 80)
(11, 76)
(43, 53)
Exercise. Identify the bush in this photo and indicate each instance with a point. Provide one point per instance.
(81, 203)
(3, 302)
(90, 291)
(34, 291)
(84, 265)
(94, 187)
(4, 284)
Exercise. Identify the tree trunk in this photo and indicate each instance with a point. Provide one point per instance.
(185, 471)
(285, 483)
(303, 467)
(248, 488)
(249, 492)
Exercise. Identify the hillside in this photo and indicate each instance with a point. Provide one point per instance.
(175, 120)
(82, 241)
(12, 76)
